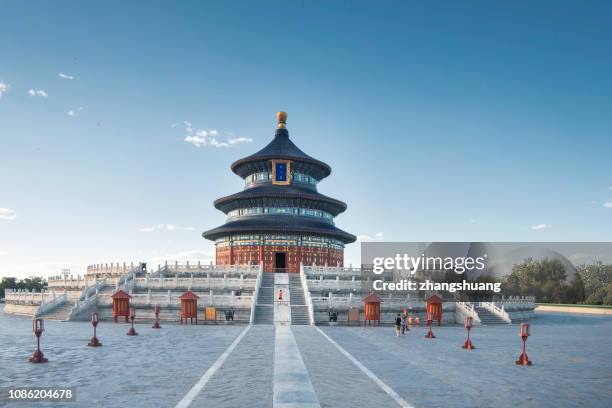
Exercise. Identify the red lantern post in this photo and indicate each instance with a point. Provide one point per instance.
(94, 322)
(524, 333)
(429, 334)
(469, 322)
(38, 327)
(156, 324)
(132, 332)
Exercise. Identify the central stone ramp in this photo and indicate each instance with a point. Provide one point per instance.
(336, 380)
(292, 386)
(245, 379)
(282, 299)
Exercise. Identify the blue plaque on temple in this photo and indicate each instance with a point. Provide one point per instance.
(281, 171)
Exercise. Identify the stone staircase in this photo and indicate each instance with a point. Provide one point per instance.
(487, 317)
(60, 313)
(264, 308)
(299, 310)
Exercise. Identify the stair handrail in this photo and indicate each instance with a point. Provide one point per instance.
(468, 310)
(127, 278)
(307, 297)
(256, 293)
(92, 290)
(497, 311)
(86, 302)
(47, 307)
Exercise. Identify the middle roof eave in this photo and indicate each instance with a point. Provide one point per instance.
(271, 191)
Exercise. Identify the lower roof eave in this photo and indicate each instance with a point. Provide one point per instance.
(224, 230)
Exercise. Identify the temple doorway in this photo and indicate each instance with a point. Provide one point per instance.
(280, 261)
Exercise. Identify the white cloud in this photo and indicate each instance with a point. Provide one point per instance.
(3, 88)
(539, 227)
(74, 112)
(37, 92)
(210, 137)
(3, 253)
(65, 76)
(608, 204)
(239, 140)
(165, 227)
(7, 214)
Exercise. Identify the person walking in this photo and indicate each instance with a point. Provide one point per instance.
(404, 325)
(398, 323)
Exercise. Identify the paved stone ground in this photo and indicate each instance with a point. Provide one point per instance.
(245, 380)
(572, 357)
(572, 364)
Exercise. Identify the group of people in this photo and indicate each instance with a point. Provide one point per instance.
(403, 323)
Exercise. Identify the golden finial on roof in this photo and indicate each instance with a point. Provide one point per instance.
(282, 119)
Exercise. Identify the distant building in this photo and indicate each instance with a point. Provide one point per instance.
(280, 218)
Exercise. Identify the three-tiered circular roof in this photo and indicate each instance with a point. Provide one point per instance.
(268, 194)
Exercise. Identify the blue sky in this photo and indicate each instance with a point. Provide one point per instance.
(469, 121)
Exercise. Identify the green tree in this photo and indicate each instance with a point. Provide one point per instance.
(35, 283)
(595, 276)
(7, 283)
(544, 279)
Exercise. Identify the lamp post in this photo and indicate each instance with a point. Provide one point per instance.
(524, 333)
(429, 334)
(156, 324)
(132, 332)
(94, 322)
(469, 322)
(38, 327)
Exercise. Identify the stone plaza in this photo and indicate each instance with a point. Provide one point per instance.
(309, 366)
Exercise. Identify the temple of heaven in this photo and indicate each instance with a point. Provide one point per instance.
(280, 218)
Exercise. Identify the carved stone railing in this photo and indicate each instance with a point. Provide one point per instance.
(193, 283)
(334, 284)
(66, 282)
(314, 270)
(172, 300)
(20, 296)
